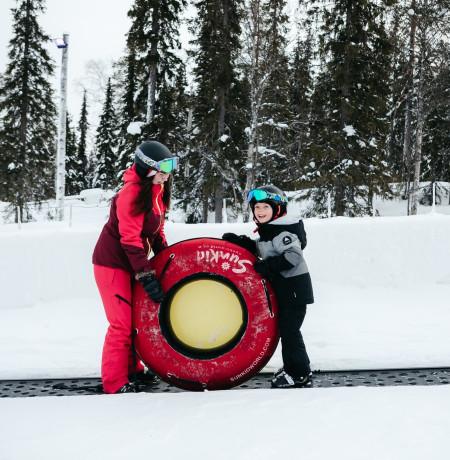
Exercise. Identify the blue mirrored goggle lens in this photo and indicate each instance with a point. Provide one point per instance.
(258, 195)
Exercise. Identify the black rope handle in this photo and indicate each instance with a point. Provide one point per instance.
(166, 266)
(134, 353)
(263, 281)
(190, 382)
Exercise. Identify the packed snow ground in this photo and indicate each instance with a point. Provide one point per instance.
(382, 288)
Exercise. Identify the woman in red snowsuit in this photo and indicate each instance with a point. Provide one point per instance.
(135, 228)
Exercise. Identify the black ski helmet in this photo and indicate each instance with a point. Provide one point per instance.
(152, 150)
(279, 207)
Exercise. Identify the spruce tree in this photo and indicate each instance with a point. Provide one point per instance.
(217, 125)
(106, 145)
(153, 39)
(149, 77)
(350, 108)
(436, 146)
(28, 130)
(74, 177)
(300, 91)
(272, 159)
(125, 88)
(82, 153)
(399, 92)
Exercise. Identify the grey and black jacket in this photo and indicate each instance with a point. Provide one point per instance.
(280, 245)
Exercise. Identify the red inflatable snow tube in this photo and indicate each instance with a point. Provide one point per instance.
(216, 327)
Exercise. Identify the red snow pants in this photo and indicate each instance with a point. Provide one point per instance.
(115, 286)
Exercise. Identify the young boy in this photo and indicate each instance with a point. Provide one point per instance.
(280, 244)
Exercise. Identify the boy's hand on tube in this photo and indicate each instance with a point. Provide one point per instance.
(241, 240)
(261, 267)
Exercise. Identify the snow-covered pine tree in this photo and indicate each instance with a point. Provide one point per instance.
(125, 87)
(28, 114)
(74, 178)
(106, 145)
(300, 91)
(217, 128)
(82, 154)
(436, 139)
(419, 30)
(266, 68)
(170, 120)
(398, 31)
(271, 159)
(154, 39)
(350, 104)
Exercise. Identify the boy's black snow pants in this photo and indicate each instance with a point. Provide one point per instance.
(293, 350)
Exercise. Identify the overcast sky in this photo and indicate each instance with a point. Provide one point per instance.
(96, 31)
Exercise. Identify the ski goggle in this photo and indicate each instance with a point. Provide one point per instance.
(166, 166)
(261, 195)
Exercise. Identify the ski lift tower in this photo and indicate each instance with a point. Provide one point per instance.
(62, 43)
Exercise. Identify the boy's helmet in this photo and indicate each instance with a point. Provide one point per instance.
(148, 153)
(275, 197)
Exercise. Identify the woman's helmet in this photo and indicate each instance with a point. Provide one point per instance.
(151, 157)
(272, 195)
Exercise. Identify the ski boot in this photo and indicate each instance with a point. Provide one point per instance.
(284, 380)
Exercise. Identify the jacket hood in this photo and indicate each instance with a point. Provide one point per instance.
(130, 175)
(283, 220)
(273, 228)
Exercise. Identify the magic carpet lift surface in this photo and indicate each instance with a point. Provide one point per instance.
(217, 325)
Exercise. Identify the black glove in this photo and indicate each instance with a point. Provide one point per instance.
(231, 237)
(241, 240)
(152, 287)
(261, 267)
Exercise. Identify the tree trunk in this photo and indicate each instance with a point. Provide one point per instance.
(255, 92)
(61, 148)
(251, 158)
(408, 109)
(340, 189)
(205, 210)
(218, 189)
(24, 109)
(151, 97)
(419, 128)
(218, 201)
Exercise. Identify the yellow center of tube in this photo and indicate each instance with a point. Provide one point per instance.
(205, 314)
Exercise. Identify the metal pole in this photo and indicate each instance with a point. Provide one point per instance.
(329, 205)
(224, 211)
(61, 152)
(433, 203)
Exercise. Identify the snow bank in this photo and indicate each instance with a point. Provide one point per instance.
(52, 262)
(381, 287)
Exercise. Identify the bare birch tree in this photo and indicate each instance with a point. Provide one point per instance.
(432, 28)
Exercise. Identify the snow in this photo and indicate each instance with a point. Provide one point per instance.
(381, 285)
(135, 127)
(350, 130)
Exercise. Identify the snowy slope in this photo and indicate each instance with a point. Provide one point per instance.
(382, 288)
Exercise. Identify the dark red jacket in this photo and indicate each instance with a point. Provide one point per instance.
(126, 239)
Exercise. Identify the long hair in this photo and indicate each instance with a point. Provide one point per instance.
(144, 200)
